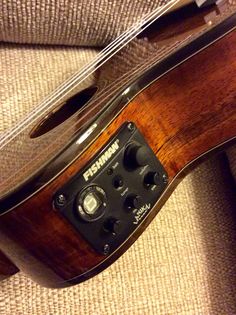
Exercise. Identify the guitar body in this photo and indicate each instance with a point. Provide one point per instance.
(185, 109)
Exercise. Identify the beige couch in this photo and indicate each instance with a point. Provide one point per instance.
(185, 263)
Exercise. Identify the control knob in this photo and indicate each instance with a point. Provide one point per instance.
(136, 155)
(133, 201)
(152, 178)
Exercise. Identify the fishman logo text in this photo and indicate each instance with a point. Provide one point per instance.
(101, 161)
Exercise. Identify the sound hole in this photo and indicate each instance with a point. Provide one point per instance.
(63, 112)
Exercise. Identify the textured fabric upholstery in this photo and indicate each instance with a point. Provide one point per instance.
(185, 262)
(77, 22)
(69, 22)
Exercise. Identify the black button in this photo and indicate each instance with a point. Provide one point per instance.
(112, 225)
(118, 182)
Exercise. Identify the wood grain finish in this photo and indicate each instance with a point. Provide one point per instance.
(189, 111)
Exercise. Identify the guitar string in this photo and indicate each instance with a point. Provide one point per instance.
(85, 69)
(62, 90)
(68, 84)
(153, 60)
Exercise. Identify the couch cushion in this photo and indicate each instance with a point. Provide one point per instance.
(79, 22)
(24, 83)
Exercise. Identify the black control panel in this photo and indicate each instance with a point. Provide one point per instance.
(113, 194)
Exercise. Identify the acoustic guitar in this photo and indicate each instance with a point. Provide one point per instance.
(86, 171)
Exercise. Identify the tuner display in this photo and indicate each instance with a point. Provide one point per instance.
(115, 192)
(91, 203)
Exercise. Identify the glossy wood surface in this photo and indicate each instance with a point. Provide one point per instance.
(187, 112)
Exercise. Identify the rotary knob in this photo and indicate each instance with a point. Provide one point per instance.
(113, 226)
(152, 178)
(136, 155)
(133, 201)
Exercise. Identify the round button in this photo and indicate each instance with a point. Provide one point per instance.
(91, 203)
(118, 182)
(152, 178)
(113, 226)
(133, 201)
(136, 155)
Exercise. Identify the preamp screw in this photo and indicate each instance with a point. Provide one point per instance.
(165, 179)
(130, 127)
(106, 249)
(60, 200)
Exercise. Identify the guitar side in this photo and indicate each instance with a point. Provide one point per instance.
(7, 268)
